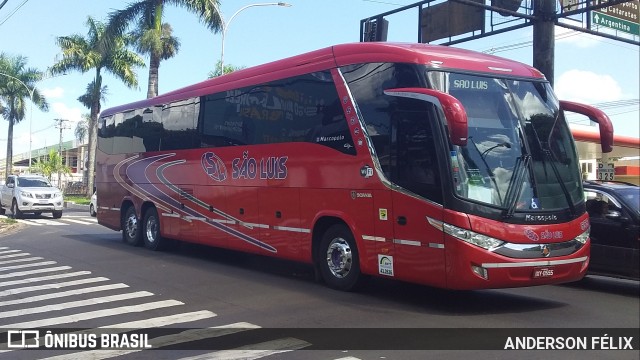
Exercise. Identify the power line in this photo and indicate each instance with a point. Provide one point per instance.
(13, 12)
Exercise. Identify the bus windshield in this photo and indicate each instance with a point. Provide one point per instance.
(519, 154)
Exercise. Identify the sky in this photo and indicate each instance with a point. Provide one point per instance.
(588, 69)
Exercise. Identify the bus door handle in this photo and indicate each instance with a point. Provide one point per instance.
(402, 220)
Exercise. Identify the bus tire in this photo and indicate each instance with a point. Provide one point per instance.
(151, 231)
(131, 232)
(338, 259)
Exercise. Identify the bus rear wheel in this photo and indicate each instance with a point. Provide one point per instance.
(338, 259)
(131, 227)
(151, 231)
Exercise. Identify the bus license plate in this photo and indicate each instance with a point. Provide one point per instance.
(542, 272)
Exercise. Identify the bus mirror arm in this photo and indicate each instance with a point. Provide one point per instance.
(454, 112)
(596, 115)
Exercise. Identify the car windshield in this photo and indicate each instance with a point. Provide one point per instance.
(631, 196)
(33, 182)
(519, 154)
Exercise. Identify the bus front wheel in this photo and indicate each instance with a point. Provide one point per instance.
(131, 227)
(338, 258)
(151, 231)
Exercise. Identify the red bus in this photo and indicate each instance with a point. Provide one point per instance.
(427, 164)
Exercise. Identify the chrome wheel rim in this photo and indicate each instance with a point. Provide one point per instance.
(131, 226)
(152, 229)
(339, 257)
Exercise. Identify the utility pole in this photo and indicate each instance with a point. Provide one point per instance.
(544, 37)
(60, 124)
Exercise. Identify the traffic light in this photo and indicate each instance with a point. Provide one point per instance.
(375, 29)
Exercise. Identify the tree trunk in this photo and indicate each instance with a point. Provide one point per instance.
(154, 64)
(9, 164)
(93, 132)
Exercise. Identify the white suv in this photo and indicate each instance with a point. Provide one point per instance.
(30, 194)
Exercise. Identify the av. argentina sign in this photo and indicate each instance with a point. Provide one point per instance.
(622, 17)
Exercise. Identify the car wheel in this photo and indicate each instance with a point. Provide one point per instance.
(57, 214)
(17, 214)
(151, 231)
(338, 259)
(131, 227)
(92, 211)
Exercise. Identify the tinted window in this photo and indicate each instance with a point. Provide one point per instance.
(305, 108)
(367, 83)
(179, 122)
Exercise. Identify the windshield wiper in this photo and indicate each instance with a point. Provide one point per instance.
(515, 185)
(547, 154)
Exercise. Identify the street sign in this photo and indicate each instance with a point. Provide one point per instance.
(622, 17)
(605, 172)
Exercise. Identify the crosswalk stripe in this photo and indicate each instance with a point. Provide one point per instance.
(21, 273)
(51, 286)
(9, 252)
(78, 221)
(44, 278)
(254, 351)
(48, 222)
(14, 255)
(28, 222)
(94, 314)
(75, 304)
(166, 340)
(63, 294)
(22, 266)
(20, 260)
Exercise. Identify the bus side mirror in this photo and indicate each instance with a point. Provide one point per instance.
(454, 112)
(596, 115)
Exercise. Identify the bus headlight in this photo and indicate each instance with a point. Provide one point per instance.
(582, 238)
(483, 241)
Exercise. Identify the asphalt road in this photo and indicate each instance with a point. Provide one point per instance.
(75, 274)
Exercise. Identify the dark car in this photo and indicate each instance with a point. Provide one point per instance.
(614, 213)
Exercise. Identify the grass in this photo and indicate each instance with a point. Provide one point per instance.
(81, 200)
(8, 221)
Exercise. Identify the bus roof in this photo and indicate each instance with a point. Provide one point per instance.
(437, 56)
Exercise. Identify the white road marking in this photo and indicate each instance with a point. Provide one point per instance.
(75, 304)
(21, 273)
(44, 278)
(22, 266)
(63, 294)
(50, 286)
(254, 351)
(68, 319)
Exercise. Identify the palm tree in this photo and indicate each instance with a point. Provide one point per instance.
(86, 54)
(82, 127)
(159, 45)
(52, 164)
(156, 39)
(17, 83)
(228, 68)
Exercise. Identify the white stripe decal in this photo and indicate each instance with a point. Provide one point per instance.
(286, 228)
(436, 245)
(173, 215)
(223, 221)
(407, 242)
(250, 225)
(534, 263)
(373, 238)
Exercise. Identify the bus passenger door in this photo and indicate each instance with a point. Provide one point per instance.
(419, 253)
